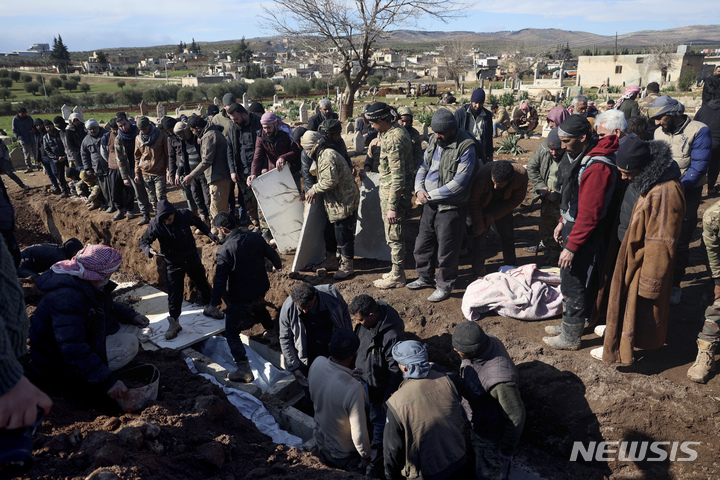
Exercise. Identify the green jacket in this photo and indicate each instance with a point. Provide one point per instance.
(542, 169)
(341, 195)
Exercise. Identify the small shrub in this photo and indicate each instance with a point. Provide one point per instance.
(294, 112)
(667, 89)
(507, 99)
(510, 145)
(424, 118)
(686, 81)
(121, 84)
(614, 89)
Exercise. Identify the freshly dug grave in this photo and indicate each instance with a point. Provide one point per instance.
(568, 395)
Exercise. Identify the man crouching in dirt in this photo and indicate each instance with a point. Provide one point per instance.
(491, 399)
(76, 331)
(177, 246)
(308, 318)
(240, 278)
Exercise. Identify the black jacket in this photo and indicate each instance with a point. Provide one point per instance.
(317, 120)
(176, 240)
(240, 275)
(380, 370)
(484, 145)
(39, 258)
(68, 329)
(709, 114)
(241, 149)
(53, 146)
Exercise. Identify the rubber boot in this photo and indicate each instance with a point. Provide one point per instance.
(704, 363)
(345, 270)
(173, 328)
(396, 279)
(557, 329)
(330, 263)
(569, 339)
(243, 374)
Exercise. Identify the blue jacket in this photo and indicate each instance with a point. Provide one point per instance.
(22, 128)
(240, 275)
(68, 329)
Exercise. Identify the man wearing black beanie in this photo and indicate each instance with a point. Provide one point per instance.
(590, 190)
(475, 119)
(490, 397)
(651, 217)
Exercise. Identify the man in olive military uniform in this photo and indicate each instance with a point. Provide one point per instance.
(709, 337)
(406, 120)
(397, 171)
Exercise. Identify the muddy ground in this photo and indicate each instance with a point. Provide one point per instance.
(193, 432)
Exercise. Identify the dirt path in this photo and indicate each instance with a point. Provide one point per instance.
(568, 395)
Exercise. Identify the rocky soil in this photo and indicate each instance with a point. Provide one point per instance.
(193, 432)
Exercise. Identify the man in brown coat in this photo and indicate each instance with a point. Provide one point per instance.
(498, 188)
(151, 160)
(651, 216)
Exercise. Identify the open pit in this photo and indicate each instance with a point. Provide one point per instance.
(569, 396)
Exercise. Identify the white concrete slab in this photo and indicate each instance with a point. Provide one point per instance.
(279, 200)
(370, 230)
(311, 247)
(152, 303)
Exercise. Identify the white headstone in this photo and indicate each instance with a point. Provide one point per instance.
(77, 110)
(177, 112)
(246, 103)
(284, 102)
(369, 243)
(425, 131)
(275, 99)
(303, 113)
(506, 82)
(350, 127)
(311, 247)
(217, 102)
(160, 110)
(279, 200)
(358, 143)
(66, 112)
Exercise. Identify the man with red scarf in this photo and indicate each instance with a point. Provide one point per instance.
(589, 182)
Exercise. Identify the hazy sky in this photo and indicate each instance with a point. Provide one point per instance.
(134, 23)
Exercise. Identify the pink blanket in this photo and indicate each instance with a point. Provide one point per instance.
(525, 293)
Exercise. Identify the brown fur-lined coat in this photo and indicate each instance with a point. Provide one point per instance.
(637, 313)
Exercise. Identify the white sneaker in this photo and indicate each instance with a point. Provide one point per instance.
(597, 353)
(675, 296)
(600, 330)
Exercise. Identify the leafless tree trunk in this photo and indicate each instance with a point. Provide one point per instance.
(662, 58)
(458, 58)
(346, 32)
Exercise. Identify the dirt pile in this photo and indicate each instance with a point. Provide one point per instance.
(569, 396)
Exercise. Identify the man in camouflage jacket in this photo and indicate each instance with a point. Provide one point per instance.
(397, 171)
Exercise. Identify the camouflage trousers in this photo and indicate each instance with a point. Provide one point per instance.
(394, 233)
(711, 328)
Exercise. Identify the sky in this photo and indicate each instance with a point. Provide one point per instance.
(135, 23)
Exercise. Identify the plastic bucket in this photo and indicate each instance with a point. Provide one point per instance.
(137, 398)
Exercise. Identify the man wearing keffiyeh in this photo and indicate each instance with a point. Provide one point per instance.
(78, 334)
(424, 428)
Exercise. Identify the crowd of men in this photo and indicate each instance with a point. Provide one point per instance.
(619, 205)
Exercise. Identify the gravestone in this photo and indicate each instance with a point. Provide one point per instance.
(425, 131)
(17, 158)
(161, 110)
(77, 110)
(177, 112)
(66, 112)
(143, 108)
(536, 72)
(246, 102)
(303, 113)
(462, 89)
(313, 107)
(284, 102)
(275, 99)
(218, 103)
(369, 240)
(311, 247)
(482, 83)
(279, 201)
(358, 143)
(182, 107)
(200, 110)
(350, 127)
(506, 82)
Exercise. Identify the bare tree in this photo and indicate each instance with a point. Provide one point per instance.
(517, 62)
(662, 58)
(348, 31)
(458, 58)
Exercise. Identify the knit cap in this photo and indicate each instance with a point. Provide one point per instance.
(404, 111)
(331, 126)
(478, 96)
(633, 154)
(343, 344)
(443, 121)
(228, 99)
(553, 140)
(469, 339)
(574, 126)
(143, 122)
(91, 123)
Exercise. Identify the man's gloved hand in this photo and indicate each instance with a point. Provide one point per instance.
(214, 238)
(140, 320)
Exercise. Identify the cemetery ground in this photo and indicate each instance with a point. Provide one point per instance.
(192, 431)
